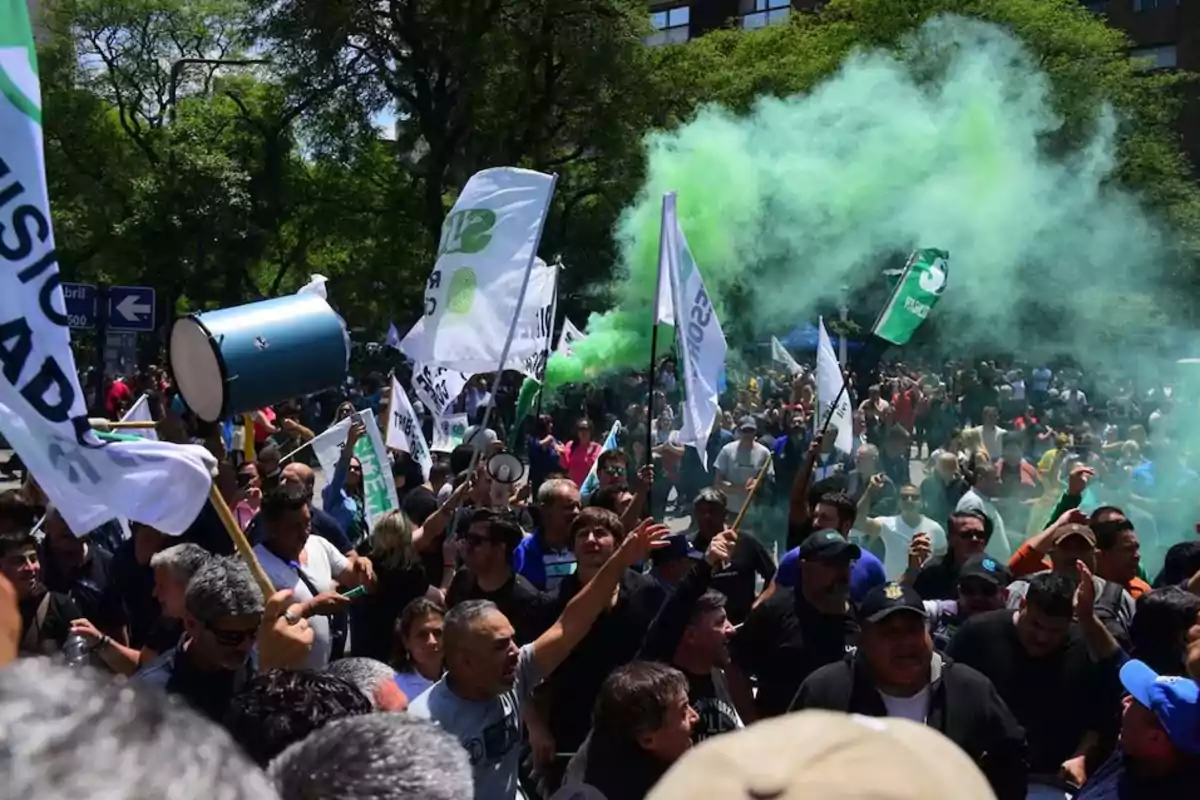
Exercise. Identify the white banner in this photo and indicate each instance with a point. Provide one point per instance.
(780, 355)
(379, 490)
(829, 387)
(437, 387)
(536, 324)
(473, 296)
(404, 429)
(448, 432)
(567, 337)
(699, 339)
(43, 412)
(140, 412)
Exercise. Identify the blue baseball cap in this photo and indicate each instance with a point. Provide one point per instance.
(1174, 700)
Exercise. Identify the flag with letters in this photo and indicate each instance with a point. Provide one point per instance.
(404, 429)
(43, 412)
(920, 287)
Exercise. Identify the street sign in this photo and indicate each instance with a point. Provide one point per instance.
(131, 308)
(80, 302)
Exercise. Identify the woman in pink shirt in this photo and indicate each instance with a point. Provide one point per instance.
(579, 455)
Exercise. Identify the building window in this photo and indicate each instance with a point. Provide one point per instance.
(1154, 5)
(1162, 56)
(761, 13)
(671, 25)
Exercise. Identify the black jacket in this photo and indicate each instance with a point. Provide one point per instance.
(964, 706)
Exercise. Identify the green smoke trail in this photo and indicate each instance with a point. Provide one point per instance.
(802, 196)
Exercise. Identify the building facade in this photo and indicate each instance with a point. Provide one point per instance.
(1165, 35)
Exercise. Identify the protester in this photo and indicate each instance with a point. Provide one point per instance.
(546, 557)
(749, 562)
(45, 615)
(896, 673)
(837, 512)
(342, 759)
(417, 655)
(896, 532)
(281, 707)
(66, 733)
(375, 679)
(580, 454)
(937, 578)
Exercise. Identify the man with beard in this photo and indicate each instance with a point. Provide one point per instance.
(896, 673)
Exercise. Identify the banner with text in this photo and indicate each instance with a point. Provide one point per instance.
(379, 490)
(404, 429)
(473, 295)
(448, 432)
(437, 387)
(43, 412)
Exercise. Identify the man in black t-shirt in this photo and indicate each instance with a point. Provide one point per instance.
(737, 580)
(79, 568)
(1039, 665)
(485, 540)
(967, 534)
(45, 615)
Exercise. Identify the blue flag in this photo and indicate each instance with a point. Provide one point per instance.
(393, 336)
(591, 483)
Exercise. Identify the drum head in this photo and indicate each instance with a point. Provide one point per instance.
(197, 368)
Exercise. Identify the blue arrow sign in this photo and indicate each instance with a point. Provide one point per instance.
(80, 302)
(131, 308)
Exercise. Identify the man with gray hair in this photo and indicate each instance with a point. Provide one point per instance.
(375, 679)
(547, 556)
(223, 608)
(380, 756)
(67, 734)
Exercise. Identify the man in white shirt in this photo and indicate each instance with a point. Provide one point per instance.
(309, 566)
(897, 531)
(738, 464)
(985, 484)
(991, 433)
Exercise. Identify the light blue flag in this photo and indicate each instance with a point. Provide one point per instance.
(592, 482)
(393, 336)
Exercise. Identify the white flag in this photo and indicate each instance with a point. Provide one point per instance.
(664, 301)
(535, 326)
(437, 387)
(568, 336)
(448, 432)
(780, 355)
(473, 296)
(404, 429)
(379, 489)
(140, 412)
(43, 413)
(829, 388)
(699, 339)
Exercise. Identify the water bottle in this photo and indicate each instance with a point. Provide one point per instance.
(76, 651)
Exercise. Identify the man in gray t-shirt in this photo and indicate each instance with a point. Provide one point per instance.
(481, 698)
(490, 730)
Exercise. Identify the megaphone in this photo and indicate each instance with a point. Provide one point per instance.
(505, 468)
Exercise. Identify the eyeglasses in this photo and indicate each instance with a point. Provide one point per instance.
(471, 540)
(231, 638)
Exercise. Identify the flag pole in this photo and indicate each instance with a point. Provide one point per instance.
(658, 287)
(512, 328)
(387, 419)
(558, 265)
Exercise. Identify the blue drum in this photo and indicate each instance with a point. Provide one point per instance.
(244, 358)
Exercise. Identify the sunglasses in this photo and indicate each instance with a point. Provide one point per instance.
(909, 498)
(471, 540)
(232, 638)
(614, 470)
(978, 536)
(355, 469)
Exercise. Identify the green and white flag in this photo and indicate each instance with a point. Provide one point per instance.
(43, 411)
(921, 284)
(379, 489)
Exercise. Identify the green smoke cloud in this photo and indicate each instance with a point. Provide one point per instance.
(940, 144)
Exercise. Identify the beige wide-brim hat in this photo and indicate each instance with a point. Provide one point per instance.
(824, 755)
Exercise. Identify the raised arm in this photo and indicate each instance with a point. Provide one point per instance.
(552, 647)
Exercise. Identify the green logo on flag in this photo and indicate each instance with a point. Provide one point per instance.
(462, 290)
(18, 60)
(918, 290)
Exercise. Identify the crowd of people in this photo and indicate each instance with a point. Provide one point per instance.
(999, 579)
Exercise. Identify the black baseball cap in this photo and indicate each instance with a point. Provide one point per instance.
(986, 568)
(885, 600)
(748, 423)
(828, 545)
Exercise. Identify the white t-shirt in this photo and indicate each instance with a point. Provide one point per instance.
(897, 534)
(320, 563)
(915, 708)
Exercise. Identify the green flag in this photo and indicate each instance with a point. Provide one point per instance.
(916, 293)
(527, 397)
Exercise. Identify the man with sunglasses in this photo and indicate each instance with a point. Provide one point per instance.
(937, 579)
(897, 531)
(981, 588)
(223, 609)
(486, 538)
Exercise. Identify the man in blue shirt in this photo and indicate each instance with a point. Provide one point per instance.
(546, 557)
(837, 512)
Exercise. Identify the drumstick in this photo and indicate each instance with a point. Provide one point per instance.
(750, 495)
(241, 542)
